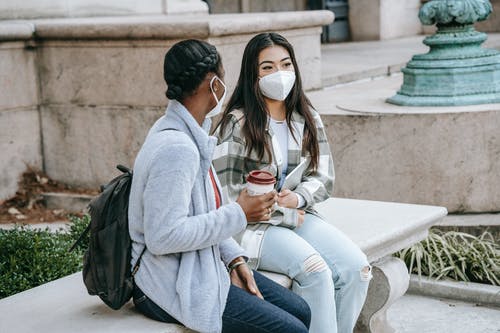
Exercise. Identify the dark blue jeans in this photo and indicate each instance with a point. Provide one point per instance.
(281, 311)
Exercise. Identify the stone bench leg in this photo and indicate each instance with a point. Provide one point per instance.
(390, 281)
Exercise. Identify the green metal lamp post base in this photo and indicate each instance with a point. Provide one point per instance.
(456, 70)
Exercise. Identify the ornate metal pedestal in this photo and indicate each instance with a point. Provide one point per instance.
(456, 70)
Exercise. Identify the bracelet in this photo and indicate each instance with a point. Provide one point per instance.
(236, 264)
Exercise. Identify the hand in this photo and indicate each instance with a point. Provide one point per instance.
(259, 207)
(301, 215)
(287, 199)
(242, 277)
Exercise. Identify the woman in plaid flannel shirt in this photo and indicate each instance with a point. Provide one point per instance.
(270, 124)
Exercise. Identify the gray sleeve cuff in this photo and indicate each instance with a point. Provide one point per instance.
(290, 218)
(300, 199)
(230, 250)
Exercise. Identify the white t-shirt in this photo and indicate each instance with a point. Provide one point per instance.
(280, 129)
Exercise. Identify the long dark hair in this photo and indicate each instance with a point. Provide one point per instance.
(186, 65)
(248, 97)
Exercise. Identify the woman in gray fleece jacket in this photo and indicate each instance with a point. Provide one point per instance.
(192, 272)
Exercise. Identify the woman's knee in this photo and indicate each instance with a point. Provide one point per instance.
(359, 272)
(314, 268)
(283, 251)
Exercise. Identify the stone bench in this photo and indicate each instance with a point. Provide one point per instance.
(379, 228)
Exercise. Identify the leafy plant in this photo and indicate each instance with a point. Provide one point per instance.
(31, 257)
(455, 255)
(77, 226)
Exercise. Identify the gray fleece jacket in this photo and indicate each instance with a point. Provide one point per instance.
(172, 211)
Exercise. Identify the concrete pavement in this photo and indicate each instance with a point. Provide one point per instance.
(419, 314)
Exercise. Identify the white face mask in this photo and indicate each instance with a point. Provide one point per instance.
(277, 85)
(218, 108)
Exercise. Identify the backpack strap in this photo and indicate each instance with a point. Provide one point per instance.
(82, 235)
(138, 262)
(124, 169)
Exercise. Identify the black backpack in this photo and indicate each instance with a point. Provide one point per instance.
(106, 263)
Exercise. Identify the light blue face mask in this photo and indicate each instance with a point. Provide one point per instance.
(218, 108)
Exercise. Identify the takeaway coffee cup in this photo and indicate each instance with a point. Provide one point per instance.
(260, 182)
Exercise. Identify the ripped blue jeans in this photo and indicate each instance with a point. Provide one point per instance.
(327, 269)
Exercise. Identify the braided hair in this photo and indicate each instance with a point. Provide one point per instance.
(186, 65)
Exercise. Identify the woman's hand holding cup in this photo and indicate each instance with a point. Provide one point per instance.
(259, 196)
(257, 207)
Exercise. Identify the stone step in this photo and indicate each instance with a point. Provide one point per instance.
(52, 226)
(470, 220)
(63, 202)
(474, 224)
(70, 202)
(480, 293)
(353, 61)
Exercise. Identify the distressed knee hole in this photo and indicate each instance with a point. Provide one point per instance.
(314, 263)
(366, 273)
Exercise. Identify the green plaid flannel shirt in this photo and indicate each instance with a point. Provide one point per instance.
(233, 165)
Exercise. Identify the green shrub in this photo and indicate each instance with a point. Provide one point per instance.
(77, 226)
(455, 255)
(30, 257)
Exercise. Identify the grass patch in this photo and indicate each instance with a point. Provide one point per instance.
(455, 255)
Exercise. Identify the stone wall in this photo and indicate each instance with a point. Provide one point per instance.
(20, 137)
(101, 84)
(244, 6)
(445, 156)
(447, 159)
